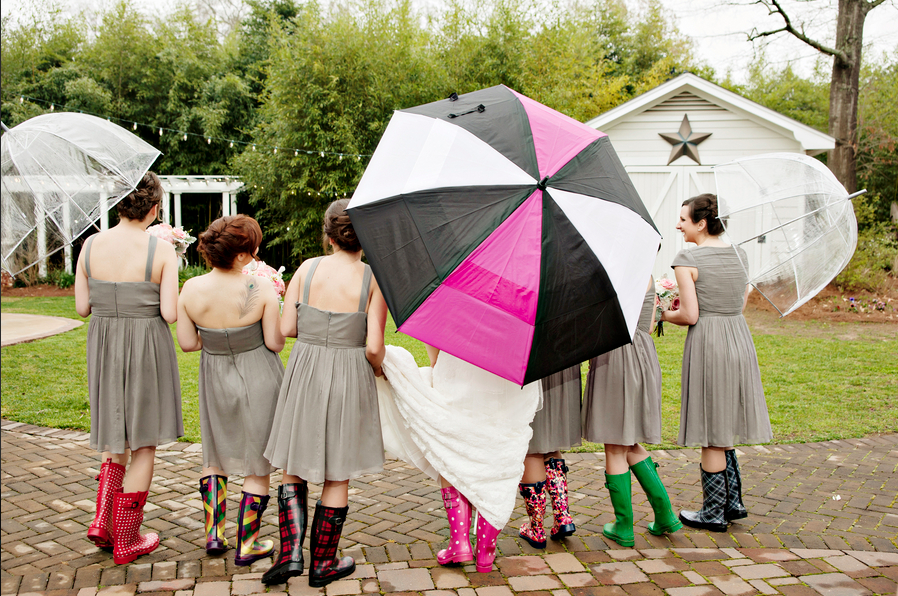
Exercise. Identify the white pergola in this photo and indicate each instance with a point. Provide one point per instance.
(175, 186)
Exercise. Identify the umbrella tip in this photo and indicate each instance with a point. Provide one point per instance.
(857, 194)
(453, 96)
(5, 128)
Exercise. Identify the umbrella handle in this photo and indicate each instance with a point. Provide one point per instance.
(856, 194)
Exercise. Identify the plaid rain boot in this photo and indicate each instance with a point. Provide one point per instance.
(292, 522)
(535, 501)
(621, 529)
(327, 526)
(214, 492)
(111, 476)
(710, 516)
(556, 485)
(249, 549)
(735, 509)
(127, 515)
(666, 521)
(458, 511)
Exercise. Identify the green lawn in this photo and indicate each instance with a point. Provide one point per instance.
(817, 388)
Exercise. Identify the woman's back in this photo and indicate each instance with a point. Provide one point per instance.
(118, 255)
(226, 301)
(331, 321)
(336, 285)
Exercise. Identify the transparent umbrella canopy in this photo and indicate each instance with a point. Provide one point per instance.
(60, 172)
(794, 220)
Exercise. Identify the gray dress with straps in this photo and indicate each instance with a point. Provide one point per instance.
(556, 426)
(132, 370)
(327, 423)
(623, 389)
(240, 379)
(722, 400)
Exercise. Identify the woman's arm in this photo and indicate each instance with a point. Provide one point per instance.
(377, 322)
(188, 337)
(82, 289)
(168, 286)
(654, 303)
(688, 313)
(271, 320)
(291, 297)
(432, 354)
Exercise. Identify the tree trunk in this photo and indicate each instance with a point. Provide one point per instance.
(843, 92)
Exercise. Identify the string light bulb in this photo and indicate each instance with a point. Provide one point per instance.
(295, 153)
(52, 107)
(185, 136)
(21, 99)
(254, 147)
(134, 126)
(208, 140)
(275, 150)
(160, 132)
(232, 144)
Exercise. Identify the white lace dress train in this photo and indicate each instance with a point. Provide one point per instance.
(470, 426)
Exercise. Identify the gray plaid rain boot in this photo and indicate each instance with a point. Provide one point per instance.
(710, 516)
(734, 507)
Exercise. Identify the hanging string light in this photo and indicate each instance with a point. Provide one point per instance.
(185, 134)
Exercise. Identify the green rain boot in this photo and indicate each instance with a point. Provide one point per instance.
(621, 529)
(666, 521)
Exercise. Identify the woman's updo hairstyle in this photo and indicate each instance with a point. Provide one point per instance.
(705, 207)
(138, 203)
(338, 227)
(227, 237)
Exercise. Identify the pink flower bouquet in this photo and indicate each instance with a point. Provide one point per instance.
(275, 276)
(178, 237)
(667, 297)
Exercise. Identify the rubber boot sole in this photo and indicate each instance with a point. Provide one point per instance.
(563, 532)
(320, 583)
(279, 574)
(712, 526)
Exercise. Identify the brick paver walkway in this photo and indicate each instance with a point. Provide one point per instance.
(823, 522)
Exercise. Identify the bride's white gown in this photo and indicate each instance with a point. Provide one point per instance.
(469, 426)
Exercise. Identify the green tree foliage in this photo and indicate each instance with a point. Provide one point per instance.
(877, 157)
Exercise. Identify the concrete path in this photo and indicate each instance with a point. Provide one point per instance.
(17, 328)
(823, 521)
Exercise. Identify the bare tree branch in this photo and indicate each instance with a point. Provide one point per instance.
(775, 7)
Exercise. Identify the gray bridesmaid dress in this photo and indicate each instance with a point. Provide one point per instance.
(132, 371)
(623, 389)
(556, 426)
(722, 401)
(327, 423)
(240, 379)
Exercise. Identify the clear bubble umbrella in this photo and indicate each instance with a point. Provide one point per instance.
(794, 220)
(60, 172)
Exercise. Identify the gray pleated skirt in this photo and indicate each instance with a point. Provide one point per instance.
(132, 377)
(623, 395)
(556, 426)
(722, 400)
(239, 383)
(327, 422)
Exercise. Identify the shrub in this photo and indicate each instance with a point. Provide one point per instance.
(874, 262)
(60, 279)
(190, 271)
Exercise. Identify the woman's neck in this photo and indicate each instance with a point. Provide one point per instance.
(709, 240)
(344, 255)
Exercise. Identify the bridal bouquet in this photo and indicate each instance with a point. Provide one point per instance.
(178, 237)
(275, 276)
(667, 297)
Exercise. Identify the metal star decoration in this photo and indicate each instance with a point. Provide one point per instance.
(685, 142)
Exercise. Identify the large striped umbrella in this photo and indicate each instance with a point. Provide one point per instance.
(505, 233)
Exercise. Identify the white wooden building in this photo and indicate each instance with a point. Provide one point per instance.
(722, 126)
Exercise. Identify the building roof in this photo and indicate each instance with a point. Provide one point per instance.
(811, 140)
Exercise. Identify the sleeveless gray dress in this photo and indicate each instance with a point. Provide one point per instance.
(132, 371)
(623, 389)
(240, 380)
(327, 423)
(556, 426)
(722, 401)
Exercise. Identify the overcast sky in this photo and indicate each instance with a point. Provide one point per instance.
(717, 27)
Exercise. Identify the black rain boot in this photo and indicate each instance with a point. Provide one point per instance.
(710, 516)
(327, 526)
(735, 509)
